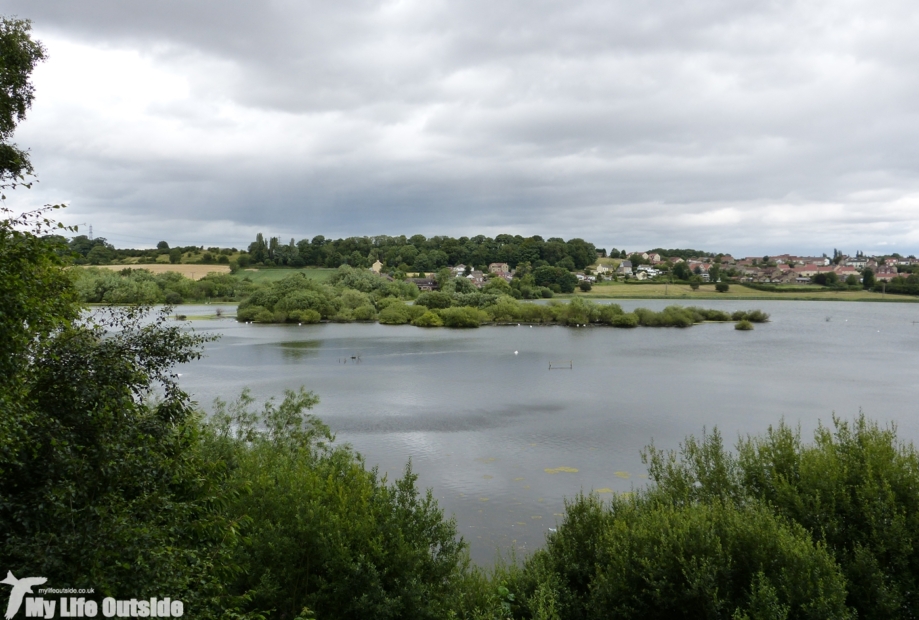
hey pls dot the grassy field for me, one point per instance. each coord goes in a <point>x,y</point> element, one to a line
<point>682,293</point>
<point>195,272</point>
<point>261,276</point>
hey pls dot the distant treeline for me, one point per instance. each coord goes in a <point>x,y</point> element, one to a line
<point>81,250</point>
<point>419,253</point>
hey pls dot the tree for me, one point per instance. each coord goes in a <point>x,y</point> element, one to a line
<point>162,245</point>
<point>584,285</point>
<point>175,255</point>
<point>19,55</point>
<point>694,282</point>
<point>681,271</point>
<point>722,287</point>
<point>868,278</point>
<point>854,488</point>
<point>557,276</point>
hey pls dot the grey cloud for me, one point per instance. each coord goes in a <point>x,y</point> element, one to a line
<point>625,123</point>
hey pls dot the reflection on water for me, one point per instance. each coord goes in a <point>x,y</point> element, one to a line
<point>502,440</point>
<point>296,349</point>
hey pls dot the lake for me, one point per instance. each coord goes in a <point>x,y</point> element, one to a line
<point>502,439</point>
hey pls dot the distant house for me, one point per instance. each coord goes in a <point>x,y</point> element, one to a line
<point>602,268</point>
<point>459,270</point>
<point>625,267</point>
<point>844,272</point>
<point>885,275</point>
<point>654,258</point>
<point>807,271</point>
<point>859,262</point>
<point>477,278</point>
<point>499,268</point>
<point>424,284</point>
<point>376,267</point>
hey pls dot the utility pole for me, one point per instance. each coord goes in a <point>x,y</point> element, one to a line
<point>90,229</point>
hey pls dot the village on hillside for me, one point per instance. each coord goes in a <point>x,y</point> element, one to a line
<point>778,269</point>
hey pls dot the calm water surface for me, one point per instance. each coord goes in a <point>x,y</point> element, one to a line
<point>483,424</point>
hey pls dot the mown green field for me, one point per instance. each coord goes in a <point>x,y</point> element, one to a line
<point>682,292</point>
<point>262,276</point>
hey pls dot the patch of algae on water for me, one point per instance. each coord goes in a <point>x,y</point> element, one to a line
<point>556,470</point>
<point>622,474</point>
<point>518,479</point>
<point>489,459</point>
<point>536,517</point>
<point>604,490</point>
<point>483,499</point>
<point>488,477</point>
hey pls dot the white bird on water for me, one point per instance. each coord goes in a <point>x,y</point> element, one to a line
<point>20,587</point>
<point>515,353</point>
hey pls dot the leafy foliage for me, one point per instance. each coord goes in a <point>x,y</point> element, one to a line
<point>855,489</point>
<point>19,54</point>
<point>645,557</point>
<point>324,532</point>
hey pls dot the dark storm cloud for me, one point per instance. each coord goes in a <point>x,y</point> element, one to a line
<point>740,126</point>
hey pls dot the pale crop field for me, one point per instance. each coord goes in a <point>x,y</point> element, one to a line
<point>195,272</point>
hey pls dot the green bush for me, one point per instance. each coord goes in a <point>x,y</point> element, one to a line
<point>434,300</point>
<point>247,314</point>
<point>744,325</point>
<point>395,314</point>
<point>365,313</point>
<point>648,558</point>
<point>304,316</point>
<point>855,488</point>
<point>322,530</point>
<point>428,319</point>
<point>754,316</point>
<point>462,317</point>
<point>722,287</point>
<point>629,319</point>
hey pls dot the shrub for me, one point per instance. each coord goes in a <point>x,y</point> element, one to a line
<point>646,558</point>
<point>304,316</point>
<point>395,314</point>
<point>322,530</point>
<point>462,317</point>
<point>248,313</point>
<point>855,488</point>
<point>744,325</point>
<point>584,285</point>
<point>629,319</point>
<point>754,316</point>
<point>428,319</point>
<point>722,287</point>
<point>434,300</point>
<point>364,313</point>
<point>173,298</point>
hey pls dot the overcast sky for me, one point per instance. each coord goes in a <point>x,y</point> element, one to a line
<point>748,127</point>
